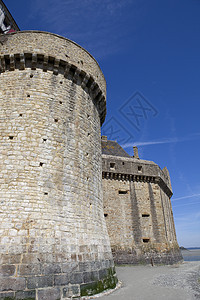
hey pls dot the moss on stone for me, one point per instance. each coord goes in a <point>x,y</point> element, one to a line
<point>96,287</point>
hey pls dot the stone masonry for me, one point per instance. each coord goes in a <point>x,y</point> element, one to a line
<point>53,237</point>
<point>137,208</point>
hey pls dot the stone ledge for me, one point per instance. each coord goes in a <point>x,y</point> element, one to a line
<point>138,178</point>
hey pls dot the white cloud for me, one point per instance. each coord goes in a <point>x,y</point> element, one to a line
<point>186,197</point>
<point>186,204</point>
<point>163,141</point>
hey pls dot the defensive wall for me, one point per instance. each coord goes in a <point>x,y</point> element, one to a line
<point>137,208</point>
<point>53,237</point>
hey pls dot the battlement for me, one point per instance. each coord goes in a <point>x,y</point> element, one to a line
<point>137,207</point>
<point>53,53</point>
<point>133,169</point>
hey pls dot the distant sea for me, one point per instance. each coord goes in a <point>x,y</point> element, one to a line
<point>191,254</point>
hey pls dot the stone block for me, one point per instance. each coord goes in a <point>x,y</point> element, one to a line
<point>69,267</point>
<point>29,269</point>
<point>8,295</point>
<point>62,279</point>
<point>39,282</point>
<point>76,278</point>
<point>71,291</point>
<point>13,284</point>
<point>48,269</point>
<point>26,295</point>
<point>7,270</point>
<point>103,273</point>
<point>49,294</point>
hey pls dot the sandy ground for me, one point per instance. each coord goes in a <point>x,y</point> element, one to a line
<point>177,282</point>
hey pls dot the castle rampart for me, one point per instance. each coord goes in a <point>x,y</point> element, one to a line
<point>137,208</point>
<point>54,241</point>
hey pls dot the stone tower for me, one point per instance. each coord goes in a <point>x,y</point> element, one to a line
<point>137,208</point>
<point>54,241</point>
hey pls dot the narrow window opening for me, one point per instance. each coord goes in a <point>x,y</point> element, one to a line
<point>88,134</point>
<point>61,82</point>
<point>56,120</point>
<point>60,102</point>
<point>44,140</point>
<point>146,240</point>
<point>105,215</point>
<point>112,165</point>
<point>139,168</point>
<point>45,193</point>
<point>123,163</point>
<point>31,76</point>
<point>123,192</point>
<point>145,215</point>
<point>11,137</point>
<point>41,164</point>
<point>20,115</point>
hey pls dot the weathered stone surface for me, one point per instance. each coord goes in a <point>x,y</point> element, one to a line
<point>137,209</point>
<point>8,295</point>
<point>29,269</point>
<point>71,291</point>
<point>12,284</point>
<point>26,295</point>
<point>39,282</point>
<point>52,105</point>
<point>7,270</point>
<point>63,279</point>
<point>50,294</point>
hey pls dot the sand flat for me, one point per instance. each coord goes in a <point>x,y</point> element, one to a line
<point>177,282</point>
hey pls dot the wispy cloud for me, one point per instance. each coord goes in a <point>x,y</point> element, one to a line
<point>99,26</point>
<point>186,197</point>
<point>186,204</point>
<point>164,141</point>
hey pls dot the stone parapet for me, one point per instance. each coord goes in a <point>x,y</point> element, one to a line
<point>131,169</point>
<point>50,52</point>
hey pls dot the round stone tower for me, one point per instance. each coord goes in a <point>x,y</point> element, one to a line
<point>54,241</point>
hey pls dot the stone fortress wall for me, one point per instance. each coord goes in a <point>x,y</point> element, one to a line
<point>53,237</point>
<point>54,241</point>
<point>137,209</point>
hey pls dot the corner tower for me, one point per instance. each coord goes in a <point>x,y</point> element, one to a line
<point>54,241</point>
<point>137,208</point>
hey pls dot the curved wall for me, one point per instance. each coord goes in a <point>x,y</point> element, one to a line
<point>54,241</point>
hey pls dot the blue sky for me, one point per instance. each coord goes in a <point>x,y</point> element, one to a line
<point>149,52</point>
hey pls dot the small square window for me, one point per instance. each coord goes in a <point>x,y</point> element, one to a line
<point>123,192</point>
<point>145,215</point>
<point>146,240</point>
<point>112,165</point>
<point>139,168</point>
